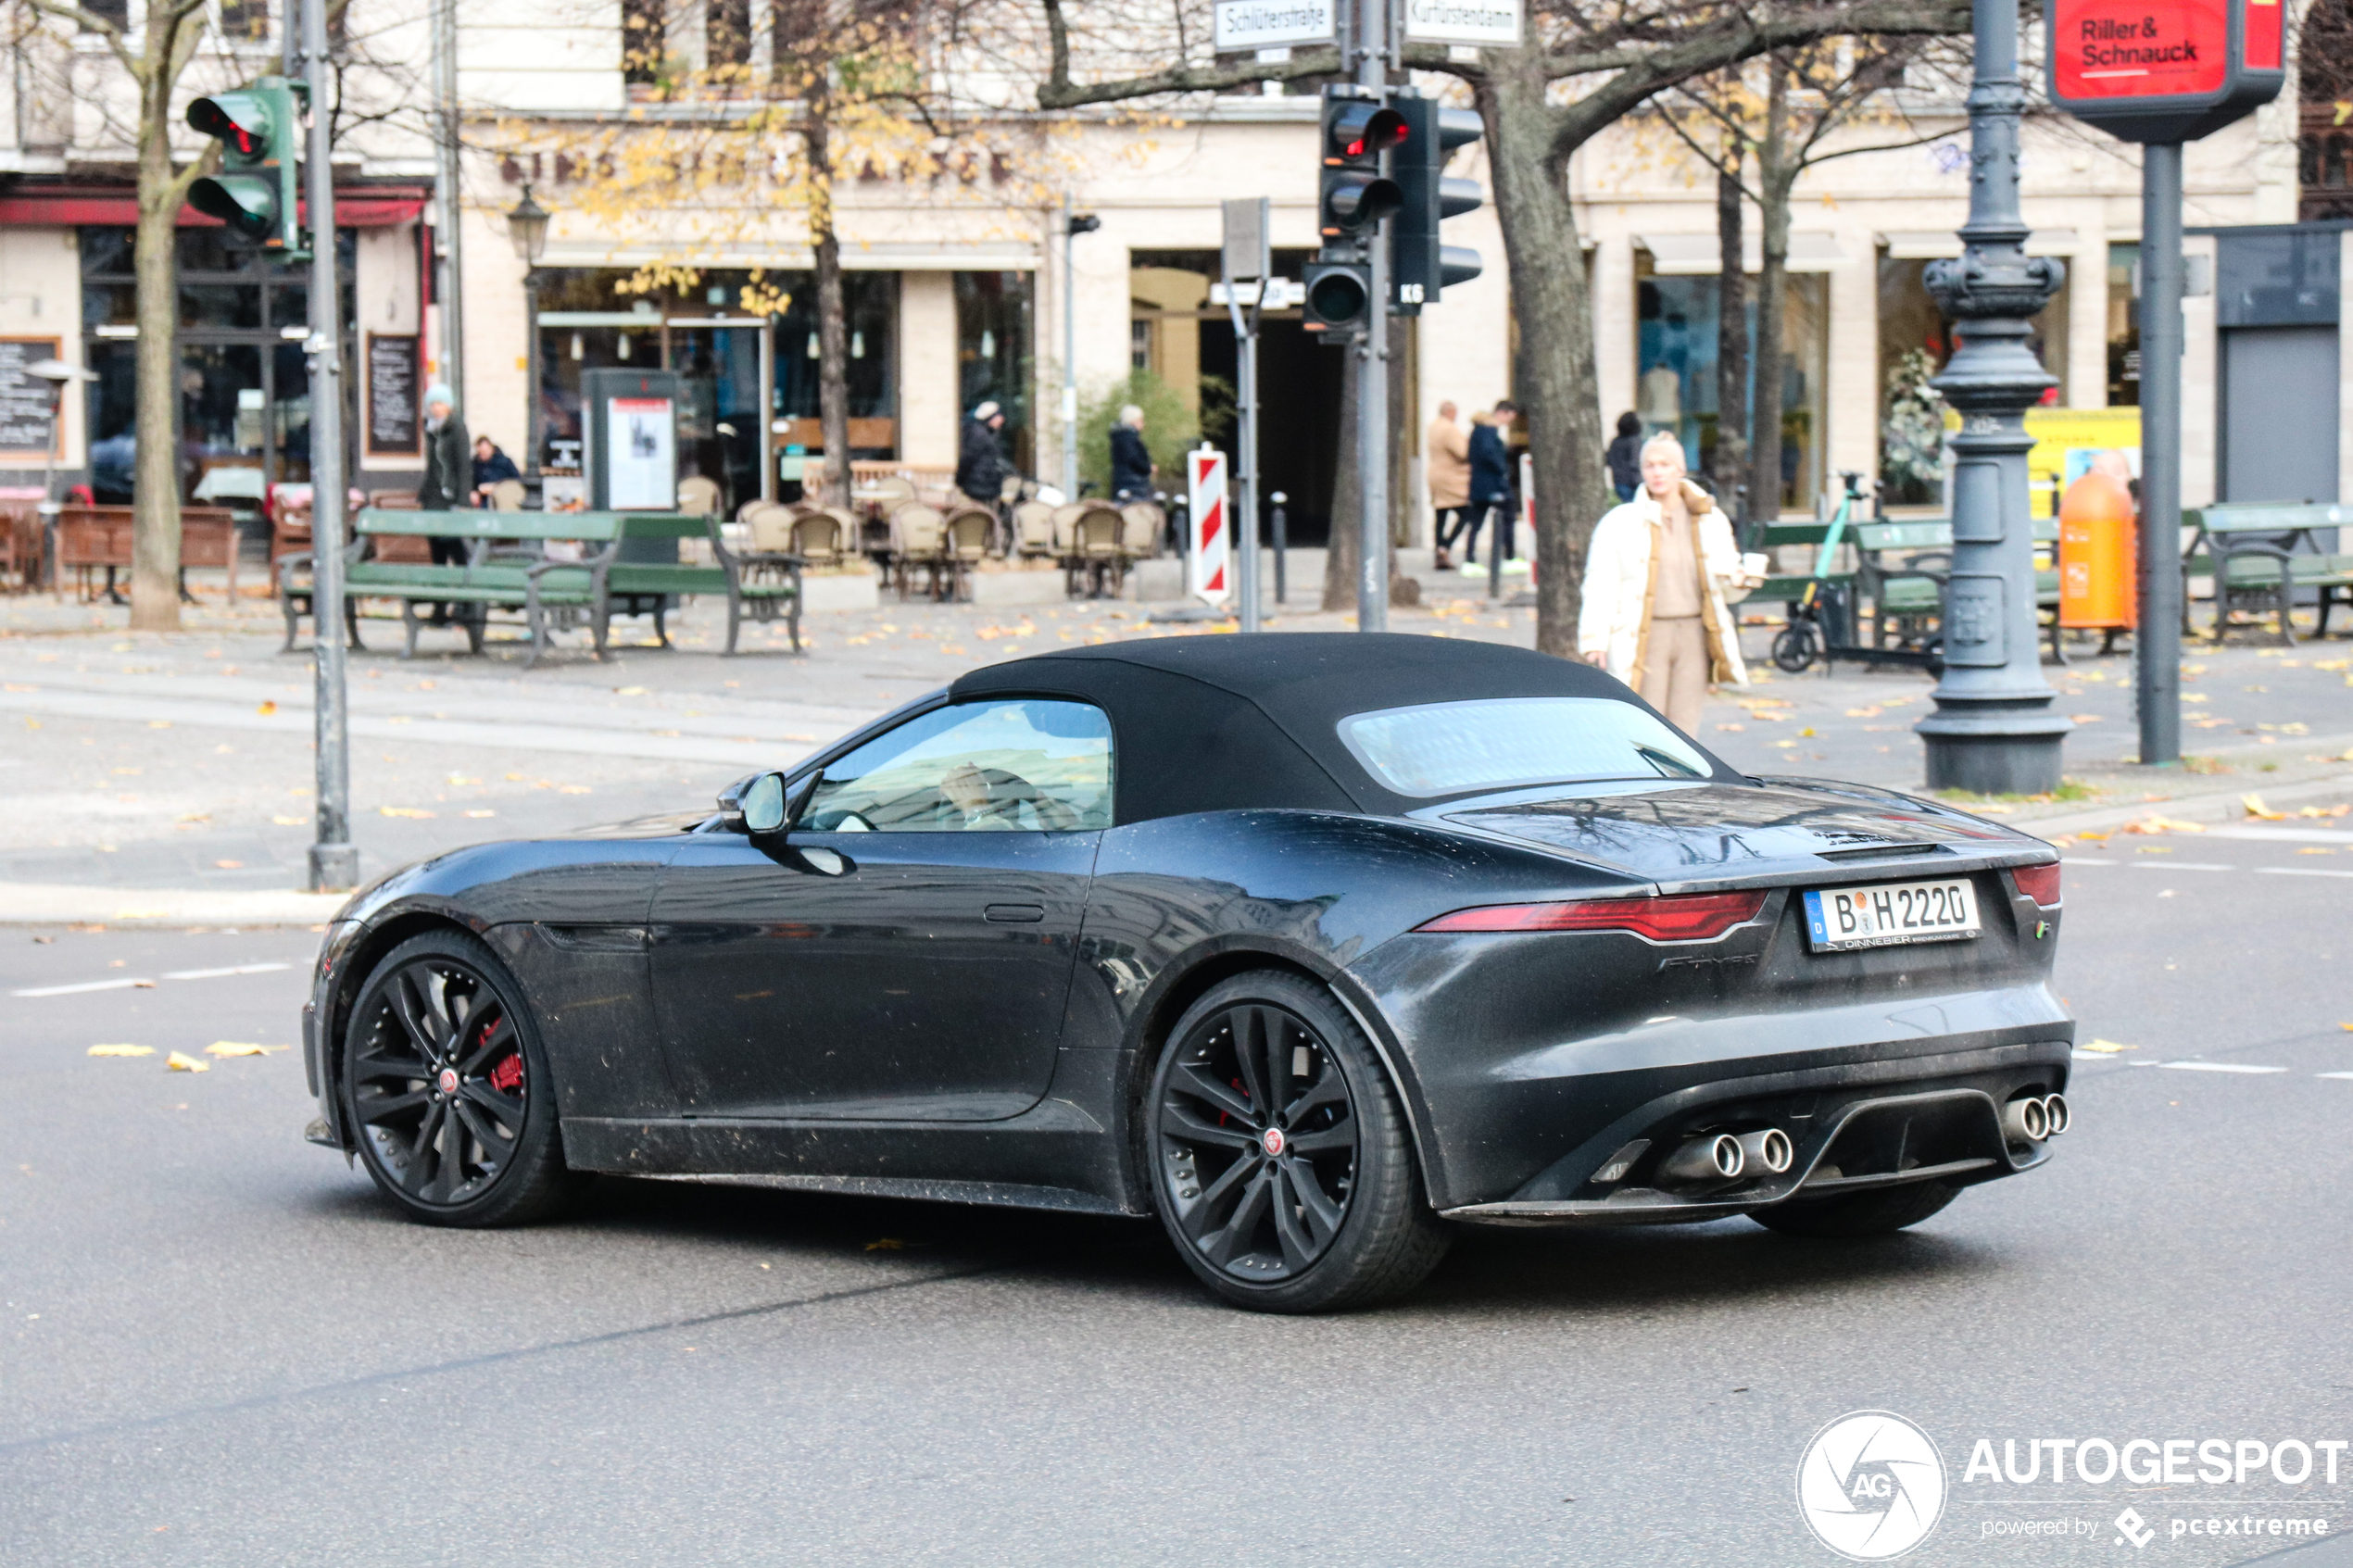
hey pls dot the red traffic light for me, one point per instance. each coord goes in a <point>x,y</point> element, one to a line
<point>1363,131</point>
<point>242,119</point>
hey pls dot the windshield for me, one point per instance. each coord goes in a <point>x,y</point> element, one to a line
<point>1507,743</point>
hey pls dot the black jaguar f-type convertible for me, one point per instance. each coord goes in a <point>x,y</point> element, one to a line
<point>1312,945</point>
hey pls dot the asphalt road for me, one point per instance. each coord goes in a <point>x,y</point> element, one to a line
<point>217,1346</point>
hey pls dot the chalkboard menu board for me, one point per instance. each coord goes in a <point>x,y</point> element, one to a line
<point>24,399</point>
<point>393,414</point>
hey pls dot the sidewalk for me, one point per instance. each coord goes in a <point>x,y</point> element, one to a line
<point>178,767</point>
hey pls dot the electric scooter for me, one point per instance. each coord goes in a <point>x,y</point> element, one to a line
<point>1821,619</point>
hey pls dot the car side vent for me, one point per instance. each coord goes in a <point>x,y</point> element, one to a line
<point>1884,852</point>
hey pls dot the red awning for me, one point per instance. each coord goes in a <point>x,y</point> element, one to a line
<point>365,207</point>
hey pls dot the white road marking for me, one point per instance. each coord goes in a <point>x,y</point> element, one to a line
<point>2300,871</point>
<point>127,983</point>
<point>2210,1066</point>
<point>2344,1075</point>
<point>2284,835</point>
<point>2181,866</point>
<point>85,985</point>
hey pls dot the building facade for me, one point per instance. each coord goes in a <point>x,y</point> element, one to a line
<point>955,292</point>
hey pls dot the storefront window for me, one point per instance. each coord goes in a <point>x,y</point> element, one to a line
<point>993,355</point>
<point>699,328</point>
<point>1674,370</point>
<point>1914,342</point>
<point>242,404</point>
<point>2124,326</point>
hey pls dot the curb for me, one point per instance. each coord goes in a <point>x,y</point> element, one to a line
<point>32,903</point>
<point>2221,805</point>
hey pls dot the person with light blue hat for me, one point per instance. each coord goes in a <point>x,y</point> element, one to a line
<point>449,481</point>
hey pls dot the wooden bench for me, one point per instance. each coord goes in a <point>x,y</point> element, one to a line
<point>92,537</point>
<point>2249,549</point>
<point>509,568</point>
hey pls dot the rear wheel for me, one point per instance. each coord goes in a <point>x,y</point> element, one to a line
<point>1282,1166</point>
<point>1858,1213</point>
<point>445,1089</point>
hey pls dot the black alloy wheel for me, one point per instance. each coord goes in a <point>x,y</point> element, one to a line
<point>445,1087</point>
<point>1282,1165</point>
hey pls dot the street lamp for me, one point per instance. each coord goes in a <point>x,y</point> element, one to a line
<point>59,375</point>
<point>1073,225</point>
<point>527,227</point>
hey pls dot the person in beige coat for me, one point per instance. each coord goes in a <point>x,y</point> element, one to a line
<point>1446,459</point>
<point>1660,578</point>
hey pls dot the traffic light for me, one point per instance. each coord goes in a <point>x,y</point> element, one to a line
<point>1419,264</point>
<point>1338,300</point>
<point>254,194</point>
<point>1358,129</point>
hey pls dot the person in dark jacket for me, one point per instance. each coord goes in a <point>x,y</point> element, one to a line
<point>492,466</point>
<point>1626,457</point>
<point>1490,473</point>
<point>980,462</point>
<point>1131,461</point>
<point>448,482</point>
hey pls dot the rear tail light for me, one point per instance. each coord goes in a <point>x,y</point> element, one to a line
<point>2038,882</point>
<point>1681,917</point>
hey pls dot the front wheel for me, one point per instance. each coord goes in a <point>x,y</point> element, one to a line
<point>1794,647</point>
<point>1282,1166</point>
<point>1858,1213</point>
<point>445,1089</point>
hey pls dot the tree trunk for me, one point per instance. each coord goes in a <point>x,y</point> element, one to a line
<point>1729,470</point>
<point>1553,298</point>
<point>155,525</point>
<point>832,327</point>
<point>1342,548</point>
<point>1776,170</point>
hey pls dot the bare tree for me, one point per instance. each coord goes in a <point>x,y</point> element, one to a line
<point>1582,69</point>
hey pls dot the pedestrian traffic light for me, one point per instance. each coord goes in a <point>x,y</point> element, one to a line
<point>1339,302</point>
<point>260,132</point>
<point>1419,265</point>
<point>1358,129</point>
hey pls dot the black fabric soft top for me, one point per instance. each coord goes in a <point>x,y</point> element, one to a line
<point>1221,724</point>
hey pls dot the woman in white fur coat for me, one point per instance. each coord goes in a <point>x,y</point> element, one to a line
<point>1657,577</point>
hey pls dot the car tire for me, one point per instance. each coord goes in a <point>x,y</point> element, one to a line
<point>453,1116</point>
<point>1858,1213</point>
<point>1319,1208</point>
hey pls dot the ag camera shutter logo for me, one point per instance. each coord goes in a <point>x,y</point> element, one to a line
<point>1870,1486</point>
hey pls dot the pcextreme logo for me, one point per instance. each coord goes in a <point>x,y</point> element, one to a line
<point>1870,1486</point>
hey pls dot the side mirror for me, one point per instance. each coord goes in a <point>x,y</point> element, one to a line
<point>755,805</point>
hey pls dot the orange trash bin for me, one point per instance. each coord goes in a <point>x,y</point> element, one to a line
<point>2096,554</point>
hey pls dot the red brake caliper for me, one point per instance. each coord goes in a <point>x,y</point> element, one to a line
<point>506,1077</point>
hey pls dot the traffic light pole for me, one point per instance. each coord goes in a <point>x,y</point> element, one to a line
<point>334,859</point>
<point>2157,645</point>
<point>1371,362</point>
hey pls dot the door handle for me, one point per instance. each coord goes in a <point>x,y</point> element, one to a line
<point>1015,914</point>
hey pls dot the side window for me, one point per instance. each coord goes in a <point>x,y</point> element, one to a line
<point>1026,765</point>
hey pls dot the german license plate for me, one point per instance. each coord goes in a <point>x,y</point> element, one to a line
<point>1889,913</point>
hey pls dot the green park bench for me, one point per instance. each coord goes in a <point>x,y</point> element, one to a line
<point>1901,565</point>
<point>508,568</point>
<point>2250,550</point>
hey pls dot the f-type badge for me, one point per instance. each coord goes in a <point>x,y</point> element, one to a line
<point>1707,960</point>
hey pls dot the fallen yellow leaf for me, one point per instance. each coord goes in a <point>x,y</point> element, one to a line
<point>629,691</point>
<point>2108,1048</point>
<point>177,1064</point>
<point>403,811</point>
<point>267,709</point>
<point>242,1048</point>
<point>122,1050</point>
<point>2255,807</point>
<point>291,821</point>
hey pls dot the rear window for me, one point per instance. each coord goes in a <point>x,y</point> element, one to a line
<point>1505,743</point>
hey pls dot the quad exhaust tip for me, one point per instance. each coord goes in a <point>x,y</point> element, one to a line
<point>1770,1151</point>
<point>2034,1119</point>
